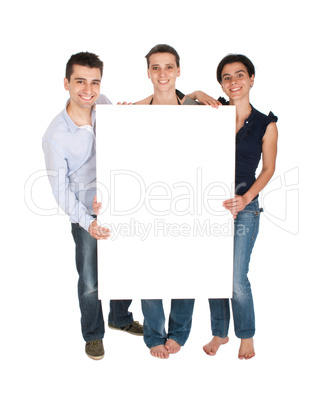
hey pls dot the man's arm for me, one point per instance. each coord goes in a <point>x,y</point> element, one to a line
<point>57,169</point>
<point>57,173</point>
<point>58,177</point>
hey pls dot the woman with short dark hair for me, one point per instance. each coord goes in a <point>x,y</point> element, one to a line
<point>256,135</point>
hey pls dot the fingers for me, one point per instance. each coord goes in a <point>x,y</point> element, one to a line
<point>125,103</point>
<point>205,99</point>
<point>211,102</point>
<point>234,205</point>
<point>215,103</point>
<point>97,207</point>
<point>101,233</point>
<point>98,232</point>
<point>228,204</point>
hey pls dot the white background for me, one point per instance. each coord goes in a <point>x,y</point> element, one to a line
<point>42,348</point>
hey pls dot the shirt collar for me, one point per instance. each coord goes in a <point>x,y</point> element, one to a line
<point>71,125</point>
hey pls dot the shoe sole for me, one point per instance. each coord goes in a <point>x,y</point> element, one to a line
<point>95,357</point>
<point>126,332</point>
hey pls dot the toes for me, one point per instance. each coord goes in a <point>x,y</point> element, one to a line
<point>208,350</point>
<point>172,346</point>
<point>160,354</point>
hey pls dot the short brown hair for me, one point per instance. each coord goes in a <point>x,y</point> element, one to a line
<point>162,49</point>
<point>86,59</point>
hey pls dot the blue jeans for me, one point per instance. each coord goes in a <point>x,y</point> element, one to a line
<point>92,322</point>
<point>246,227</point>
<point>179,324</point>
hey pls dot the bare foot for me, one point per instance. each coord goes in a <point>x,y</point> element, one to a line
<point>246,350</point>
<point>172,346</point>
<point>159,351</point>
<point>212,347</point>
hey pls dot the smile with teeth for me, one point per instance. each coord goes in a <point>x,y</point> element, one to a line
<point>163,82</point>
<point>86,97</point>
<point>235,89</point>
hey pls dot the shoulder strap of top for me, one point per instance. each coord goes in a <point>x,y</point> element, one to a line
<point>151,102</point>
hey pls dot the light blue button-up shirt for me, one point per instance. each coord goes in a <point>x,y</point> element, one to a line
<point>70,156</point>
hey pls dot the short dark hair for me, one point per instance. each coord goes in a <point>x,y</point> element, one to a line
<point>86,59</point>
<point>235,58</point>
<point>162,49</point>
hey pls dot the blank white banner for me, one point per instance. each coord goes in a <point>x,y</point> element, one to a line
<point>163,173</point>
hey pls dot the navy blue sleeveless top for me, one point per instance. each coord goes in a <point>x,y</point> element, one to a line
<point>249,148</point>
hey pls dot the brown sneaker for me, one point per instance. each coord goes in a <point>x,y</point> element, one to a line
<point>134,328</point>
<point>95,349</point>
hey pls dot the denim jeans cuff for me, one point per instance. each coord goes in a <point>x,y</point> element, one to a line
<point>93,337</point>
<point>157,343</point>
<point>219,334</point>
<point>245,335</point>
<point>181,343</point>
<point>122,324</point>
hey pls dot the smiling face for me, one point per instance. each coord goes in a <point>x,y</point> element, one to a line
<point>163,71</point>
<point>236,82</point>
<point>83,86</point>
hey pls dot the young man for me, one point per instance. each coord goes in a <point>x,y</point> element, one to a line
<point>69,148</point>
